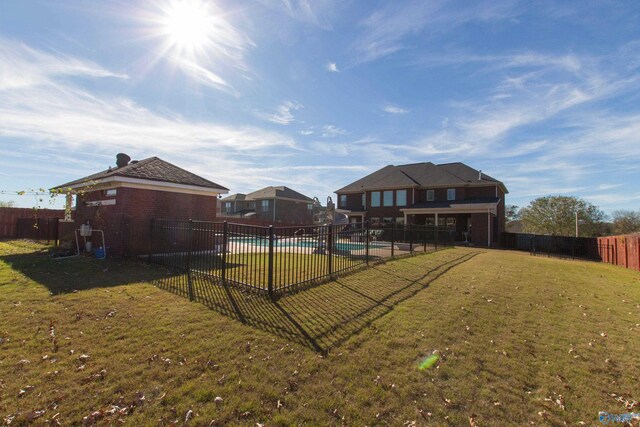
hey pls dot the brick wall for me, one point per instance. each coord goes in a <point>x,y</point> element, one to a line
<point>126,224</point>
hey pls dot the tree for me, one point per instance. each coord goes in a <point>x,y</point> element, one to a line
<point>512,213</point>
<point>556,215</point>
<point>626,221</point>
<point>6,203</point>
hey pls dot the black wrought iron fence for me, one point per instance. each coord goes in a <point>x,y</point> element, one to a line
<point>277,259</point>
<point>562,246</point>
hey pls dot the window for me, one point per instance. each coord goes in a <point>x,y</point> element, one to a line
<point>430,195</point>
<point>451,222</point>
<point>310,206</point>
<point>451,194</point>
<point>375,200</point>
<point>430,221</point>
<point>343,201</point>
<point>265,205</point>
<point>227,206</point>
<point>375,222</point>
<point>400,220</point>
<point>388,198</point>
<point>401,198</point>
<point>441,221</point>
<point>111,193</point>
<point>387,221</point>
<point>364,200</point>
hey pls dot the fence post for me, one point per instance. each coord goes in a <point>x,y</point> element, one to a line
<point>424,237</point>
<point>410,238</point>
<point>189,246</point>
<point>366,239</point>
<point>393,238</point>
<point>152,224</point>
<point>270,266</point>
<point>330,249</point>
<point>435,234</point>
<point>225,238</point>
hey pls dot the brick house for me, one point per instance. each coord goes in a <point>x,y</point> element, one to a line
<point>278,205</point>
<point>123,200</point>
<point>451,194</point>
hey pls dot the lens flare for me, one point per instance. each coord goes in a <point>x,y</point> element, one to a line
<point>428,362</point>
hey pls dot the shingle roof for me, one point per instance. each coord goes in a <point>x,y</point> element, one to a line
<point>447,204</point>
<point>234,197</point>
<point>280,192</point>
<point>152,169</point>
<point>421,175</point>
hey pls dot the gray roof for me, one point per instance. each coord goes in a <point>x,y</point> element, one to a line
<point>281,192</point>
<point>447,204</point>
<point>152,169</point>
<point>424,174</point>
<point>234,197</point>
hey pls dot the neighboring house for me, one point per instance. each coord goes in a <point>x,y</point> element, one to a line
<point>279,205</point>
<point>450,195</point>
<point>123,200</point>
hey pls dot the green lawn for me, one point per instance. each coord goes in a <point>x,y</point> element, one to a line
<point>523,340</point>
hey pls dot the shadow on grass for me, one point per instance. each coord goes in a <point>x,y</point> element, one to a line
<point>322,317</point>
<point>61,276</point>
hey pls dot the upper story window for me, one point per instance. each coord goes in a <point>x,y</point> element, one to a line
<point>342,202</point>
<point>451,193</point>
<point>310,206</point>
<point>375,199</point>
<point>388,198</point>
<point>401,198</point>
<point>364,200</point>
<point>430,195</point>
<point>227,206</point>
<point>265,205</point>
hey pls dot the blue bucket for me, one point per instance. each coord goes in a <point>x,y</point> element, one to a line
<point>99,253</point>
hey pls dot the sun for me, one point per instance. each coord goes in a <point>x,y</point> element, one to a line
<point>188,25</point>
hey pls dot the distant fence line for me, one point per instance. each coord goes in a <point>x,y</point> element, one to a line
<point>278,259</point>
<point>13,223</point>
<point>625,250</point>
<point>618,250</point>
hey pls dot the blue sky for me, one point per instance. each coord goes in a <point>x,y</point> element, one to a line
<point>315,94</point>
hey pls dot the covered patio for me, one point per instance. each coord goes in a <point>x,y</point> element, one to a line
<point>473,222</point>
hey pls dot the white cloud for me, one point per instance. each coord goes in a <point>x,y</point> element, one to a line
<point>387,30</point>
<point>332,67</point>
<point>393,109</point>
<point>284,114</point>
<point>306,132</point>
<point>21,66</point>
<point>317,12</point>
<point>329,131</point>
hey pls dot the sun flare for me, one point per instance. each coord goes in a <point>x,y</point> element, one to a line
<point>188,25</point>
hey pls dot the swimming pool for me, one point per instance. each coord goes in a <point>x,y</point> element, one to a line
<point>303,243</point>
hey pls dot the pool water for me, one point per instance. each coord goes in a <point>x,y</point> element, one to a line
<point>341,246</point>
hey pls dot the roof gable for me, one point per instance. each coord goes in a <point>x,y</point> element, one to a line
<point>151,169</point>
<point>423,174</point>
<point>281,192</point>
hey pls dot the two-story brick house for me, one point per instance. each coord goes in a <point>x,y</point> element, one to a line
<point>450,195</point>
<point>278,205</point>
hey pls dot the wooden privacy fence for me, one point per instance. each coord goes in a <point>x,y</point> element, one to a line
<point>9,219</point>
<point>625,250</point>
<point>278,259</point>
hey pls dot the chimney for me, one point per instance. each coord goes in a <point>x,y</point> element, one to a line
<point>122,160</point>
<point>479,174</point>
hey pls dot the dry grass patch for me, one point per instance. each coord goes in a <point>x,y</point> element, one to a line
<point>522,340</point>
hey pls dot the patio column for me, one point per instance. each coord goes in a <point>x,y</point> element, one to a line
<point>405,218</point>
<point>67,209</point>
<point>488,227</point>
<point>436,223</point>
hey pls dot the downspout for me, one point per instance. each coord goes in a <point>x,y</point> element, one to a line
<point>274,209</point>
